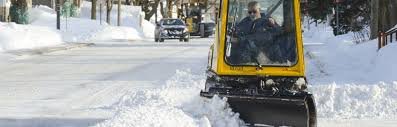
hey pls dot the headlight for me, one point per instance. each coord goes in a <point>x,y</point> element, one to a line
<point>186,29</point>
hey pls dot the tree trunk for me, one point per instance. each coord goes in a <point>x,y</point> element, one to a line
<point>392,13</point>
<point>77,3</point>
<point>375,19</point>
<point>162,11</point>
<point>109,5</point>
<point>119,13</point>
<point>150,13</point>
<point>383,14</point>
<point>169,8</point>
<point>128,2</point>
<point>93,9</point>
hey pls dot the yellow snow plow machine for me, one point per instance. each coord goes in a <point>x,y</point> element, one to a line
<point>257,63</point>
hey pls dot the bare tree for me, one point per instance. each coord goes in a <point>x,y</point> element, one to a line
<point>77,3</point>
<point>128,2</point>
<point>149,7</point>
<point>162,10</point>
<point>119,13</point>
<point>93,9</point>
<point>109,5</point>
<point>383,16</point>
<point>169,8</point>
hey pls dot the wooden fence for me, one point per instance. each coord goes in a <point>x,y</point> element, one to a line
<point>386,37</point>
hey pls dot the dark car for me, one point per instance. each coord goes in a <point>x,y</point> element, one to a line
<point>171,29</point>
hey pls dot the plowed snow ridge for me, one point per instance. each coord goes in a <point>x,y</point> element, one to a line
<point>176,104</point>
<point>179,104</point>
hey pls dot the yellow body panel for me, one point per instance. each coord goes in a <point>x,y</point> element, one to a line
<point>189,24</point>
<point>217,54</point>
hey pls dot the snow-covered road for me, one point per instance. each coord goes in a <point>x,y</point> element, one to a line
<point>75,87</point>
<point>143,83</point>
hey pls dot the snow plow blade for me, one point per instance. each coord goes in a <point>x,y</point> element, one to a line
<point>272,111</point>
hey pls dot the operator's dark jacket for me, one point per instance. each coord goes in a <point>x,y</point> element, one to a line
<point>259,36</point>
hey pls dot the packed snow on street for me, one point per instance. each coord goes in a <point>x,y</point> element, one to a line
<point>127,80</point>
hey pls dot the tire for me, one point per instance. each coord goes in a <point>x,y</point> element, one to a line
<point>202,30</point>
<point>161,40</point>
<point>181,39</point>
<point>186,39</point>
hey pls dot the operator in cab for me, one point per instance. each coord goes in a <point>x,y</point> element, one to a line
<point>258,39</point>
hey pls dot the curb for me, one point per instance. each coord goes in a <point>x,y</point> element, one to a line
<point>44,50</point>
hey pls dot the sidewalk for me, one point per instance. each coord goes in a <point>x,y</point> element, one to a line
<point>44,50</point>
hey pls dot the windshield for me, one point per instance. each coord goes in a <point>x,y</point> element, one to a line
<point>261,32</point>
<point>172,22</point>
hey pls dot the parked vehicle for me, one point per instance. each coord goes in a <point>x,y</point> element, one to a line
<point>170,28</point>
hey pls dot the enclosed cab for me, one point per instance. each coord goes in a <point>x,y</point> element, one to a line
<point>257,63</point>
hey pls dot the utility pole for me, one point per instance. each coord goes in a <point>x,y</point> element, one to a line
<point>58,10</point>
<point>119,13</point>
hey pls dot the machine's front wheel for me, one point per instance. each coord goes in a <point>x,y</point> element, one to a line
<point>186,40</point>
<point>202,30</point>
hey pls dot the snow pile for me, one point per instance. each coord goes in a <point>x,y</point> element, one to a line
<point>83,29</point>
<point>348,80</point>
<point>176,104</point>
<point>346,101</point>
<point>386,62</point>
<point>42,30</point>
<point>340,59</point>
<point>130,17</point>
<point>14,36</point>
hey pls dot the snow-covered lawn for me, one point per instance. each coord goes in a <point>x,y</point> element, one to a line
<point>351,81</point>
<point>42,31</point>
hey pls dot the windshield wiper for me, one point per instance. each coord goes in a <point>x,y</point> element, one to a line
<point>258,65</point>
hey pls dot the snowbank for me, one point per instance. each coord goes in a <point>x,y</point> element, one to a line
<point>41,32</point>
<point>351,81</point>
<point>178,104</point>
<point>341,60</point>
<point>84,29</point>
<point>356,101</point>
<point>386,62</point>
<point>130,17</point>
<point>14,36</point>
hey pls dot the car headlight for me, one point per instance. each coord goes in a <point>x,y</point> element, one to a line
<point>185,30</point>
